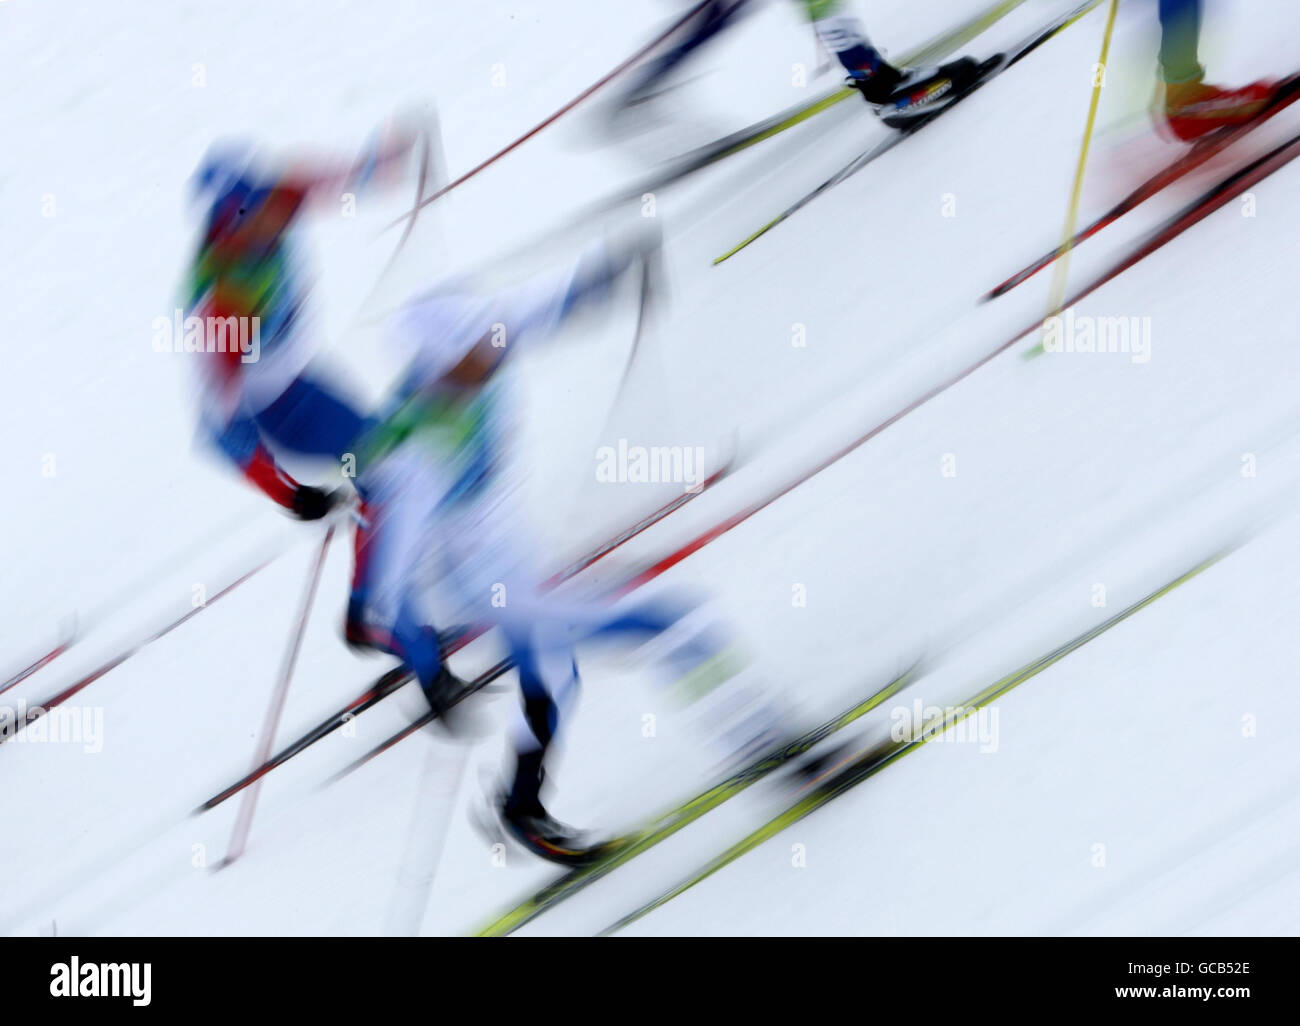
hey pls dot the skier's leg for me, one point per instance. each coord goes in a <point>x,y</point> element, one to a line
<point>1192,107</point>
<point>733,708</point>
<point>842,34</point>
<point>695,653</point>
<point>903,93</point>
<point>398,540</point>
<point>1180,35</point>
<point>548,682</point>
<point>355,630</point>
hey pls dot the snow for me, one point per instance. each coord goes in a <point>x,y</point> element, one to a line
<point>1145,784</point>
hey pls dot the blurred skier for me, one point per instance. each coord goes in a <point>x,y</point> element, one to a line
<point>246,266</point>
<point>905,93</point>
<point>1193,108</point>
<point>443,507</point>
<point>902,93</point>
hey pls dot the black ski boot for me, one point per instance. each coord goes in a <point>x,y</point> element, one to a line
<point>821,764</point>
<point>877,87</point>
<point>923,93</point>
<point>531,825</point>
<point>443,694</point>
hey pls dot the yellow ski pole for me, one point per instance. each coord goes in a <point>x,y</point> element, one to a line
<point>1062,269</point>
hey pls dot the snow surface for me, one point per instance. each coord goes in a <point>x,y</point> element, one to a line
<point>1145,784</point>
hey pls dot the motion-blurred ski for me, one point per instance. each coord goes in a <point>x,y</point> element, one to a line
<point>1193,214</point>
<point>36,711</point>
<point>1288,92</point>
<point>65,642</point>
<point>471,687</point>
<point>989,70</point>
<point>627,846</point>
<point>835,779</point>
<point>737,142</point>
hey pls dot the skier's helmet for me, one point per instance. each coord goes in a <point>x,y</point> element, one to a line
<point>229,186</point>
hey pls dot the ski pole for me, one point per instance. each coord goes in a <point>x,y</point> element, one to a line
<point>244,820</point>
<point>1062,271</point>
<point>550,120</point>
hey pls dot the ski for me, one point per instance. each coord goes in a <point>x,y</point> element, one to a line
<point>684,166</point>
<point>627,846</point>
<point>1195,157</point>
<point>834,780</point>
<point>78,624</point>
<point>623,537</point>
<point>384,686</point>
<point>36,711</point>
<point>475,685</point>
<point>65,642</point>
<point>1194,213</point>
<point>399,675</point>
<point>989,70</point>
<point>760,131</point>
<point>452,641</point>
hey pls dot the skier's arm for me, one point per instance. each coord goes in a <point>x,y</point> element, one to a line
<point>457,337</point>
<point>240,442</point>
<point>536,309</point>
<point>378,163</point>
<point>231,433</point>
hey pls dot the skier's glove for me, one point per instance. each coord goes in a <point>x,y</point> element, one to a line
<point>311,503</point>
